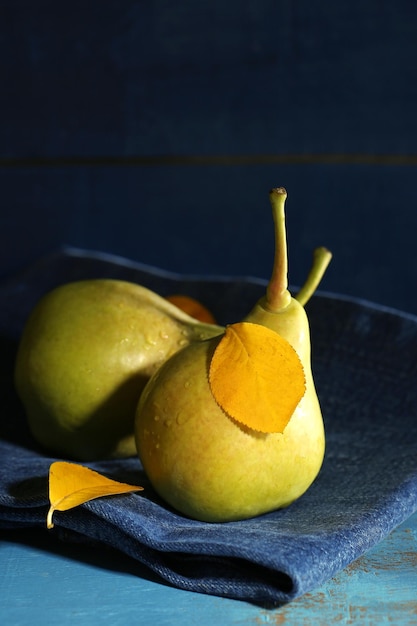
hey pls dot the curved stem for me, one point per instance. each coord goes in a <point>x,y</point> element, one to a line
<point>277,294</point>
<point>49,522</point>
<point>321,259</point>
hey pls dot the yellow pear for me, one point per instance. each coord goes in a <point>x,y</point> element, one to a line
<point>199,458</point>
<point>85,354</point>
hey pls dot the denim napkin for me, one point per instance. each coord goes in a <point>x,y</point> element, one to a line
<point>365,367</point>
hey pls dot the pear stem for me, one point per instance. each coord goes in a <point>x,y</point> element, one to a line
<point>321,259</point>
<point>277,295</point>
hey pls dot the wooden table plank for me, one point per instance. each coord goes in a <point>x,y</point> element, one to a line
<point>45,580</point>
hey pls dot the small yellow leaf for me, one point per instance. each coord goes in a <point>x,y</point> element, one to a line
<point>256,377</point>
<point>71,484</point>
<point>192,307</point>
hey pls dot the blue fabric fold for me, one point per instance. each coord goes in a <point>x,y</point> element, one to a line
<point>365,367</point>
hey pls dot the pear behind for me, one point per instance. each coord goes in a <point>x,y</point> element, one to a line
<point>86,352</point>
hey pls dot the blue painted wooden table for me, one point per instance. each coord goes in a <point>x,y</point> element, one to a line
<point>42,581</point>
<point>154,131</point>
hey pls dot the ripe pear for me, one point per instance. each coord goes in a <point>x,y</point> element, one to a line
<point>84,356</point>
<point>199,459</point>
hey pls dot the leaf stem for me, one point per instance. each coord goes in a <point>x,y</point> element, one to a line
<point>277,295</point>
<point>49,522</point>
<point>321,259</point>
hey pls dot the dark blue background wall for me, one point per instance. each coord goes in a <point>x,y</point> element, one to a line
<point>154,130</point>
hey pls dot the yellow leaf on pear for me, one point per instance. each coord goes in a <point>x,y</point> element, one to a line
<point>256,377</point>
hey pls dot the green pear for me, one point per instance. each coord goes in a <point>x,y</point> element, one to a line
<point>207,465</point>
<point>85,354</point>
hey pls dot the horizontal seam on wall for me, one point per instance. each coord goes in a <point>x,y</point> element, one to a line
<point>210,160</point>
